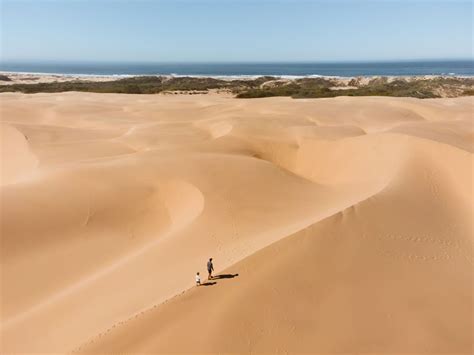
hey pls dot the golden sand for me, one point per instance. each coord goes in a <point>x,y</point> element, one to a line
<point>343,225</point>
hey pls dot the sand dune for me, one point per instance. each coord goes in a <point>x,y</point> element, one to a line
<point>17,159</point>
<point>347,220</point>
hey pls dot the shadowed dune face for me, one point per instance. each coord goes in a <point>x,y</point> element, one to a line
<point>343,225</point>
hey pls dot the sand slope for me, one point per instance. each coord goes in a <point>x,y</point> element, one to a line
<point>348,222</point>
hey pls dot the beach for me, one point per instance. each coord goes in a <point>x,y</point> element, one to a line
<point>337,224</point>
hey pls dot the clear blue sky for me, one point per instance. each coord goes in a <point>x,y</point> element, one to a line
<point>235,30</point>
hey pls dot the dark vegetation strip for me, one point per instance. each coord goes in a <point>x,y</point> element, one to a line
<point>263,87</point>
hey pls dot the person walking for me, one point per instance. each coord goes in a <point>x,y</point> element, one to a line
<point>210,268</point>
<point>198,279</point>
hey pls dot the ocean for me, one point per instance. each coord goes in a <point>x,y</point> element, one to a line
<point>406,68</point>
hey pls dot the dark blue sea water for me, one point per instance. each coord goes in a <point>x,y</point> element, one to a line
<point>450,67</point>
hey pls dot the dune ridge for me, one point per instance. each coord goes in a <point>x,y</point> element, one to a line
<point>317,205</point>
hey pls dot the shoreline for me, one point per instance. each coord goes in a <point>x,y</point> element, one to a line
<point>228,77</point>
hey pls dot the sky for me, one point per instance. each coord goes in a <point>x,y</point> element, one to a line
<point>235,30</point>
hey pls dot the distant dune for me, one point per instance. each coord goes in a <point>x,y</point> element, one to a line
<point>338,225</point>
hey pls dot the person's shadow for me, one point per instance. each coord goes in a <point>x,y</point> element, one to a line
<point>218,277</point>
<point>207,283</point>
<point>224,276</point>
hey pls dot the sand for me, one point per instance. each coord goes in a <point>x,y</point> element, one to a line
<point>41,78</point>
<point>337,225</point>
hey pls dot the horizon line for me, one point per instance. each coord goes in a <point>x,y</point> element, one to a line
<point>355,61</point>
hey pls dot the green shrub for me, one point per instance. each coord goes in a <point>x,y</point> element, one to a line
<point>300,88</point>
